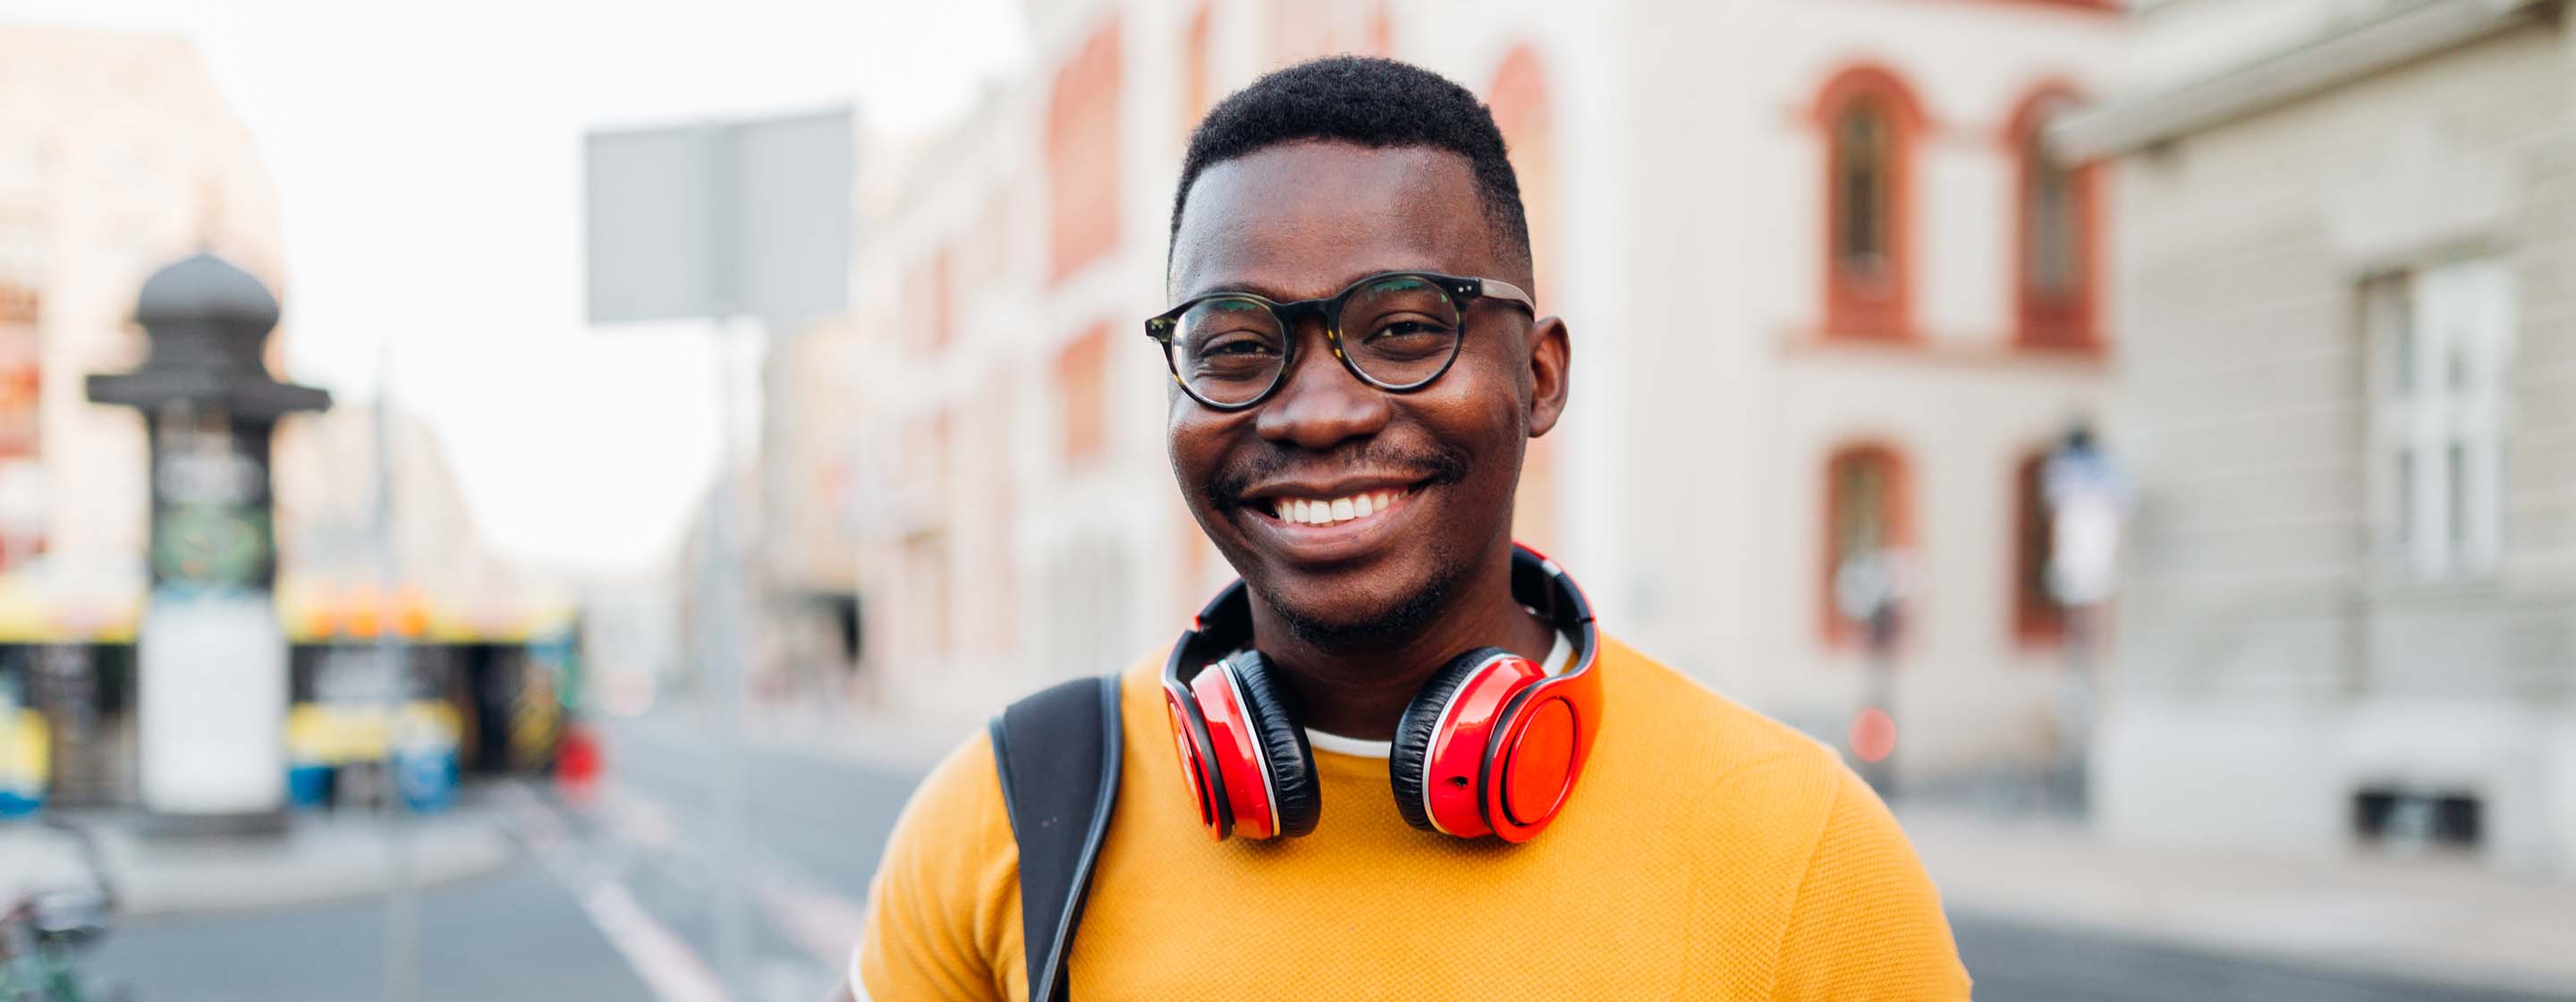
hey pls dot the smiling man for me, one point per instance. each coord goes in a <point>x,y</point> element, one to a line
<point>1425,773</point>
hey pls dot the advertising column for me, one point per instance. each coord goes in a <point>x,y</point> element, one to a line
<point>211,671</point>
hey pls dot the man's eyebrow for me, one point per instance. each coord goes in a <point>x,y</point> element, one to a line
<point>1236,289</point>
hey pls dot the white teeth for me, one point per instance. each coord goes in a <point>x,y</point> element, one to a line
<point>1304,512</point>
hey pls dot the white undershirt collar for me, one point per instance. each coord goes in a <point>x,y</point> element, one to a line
<point>1560,659</point>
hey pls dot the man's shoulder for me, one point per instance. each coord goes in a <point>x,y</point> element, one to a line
<point>1727,737</point>
<point>1722,758</point>
<point>1775,799</point>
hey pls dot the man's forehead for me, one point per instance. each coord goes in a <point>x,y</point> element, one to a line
<point>1301,219</point>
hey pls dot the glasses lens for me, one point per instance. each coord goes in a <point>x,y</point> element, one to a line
<point>1229,351</point>
<point>1401,330</point>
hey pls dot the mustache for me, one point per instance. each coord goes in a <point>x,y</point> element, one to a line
<point>1437,464</point>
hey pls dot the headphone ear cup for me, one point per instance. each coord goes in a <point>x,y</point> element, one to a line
<point>1283,742</point>
<point>1409,759</point>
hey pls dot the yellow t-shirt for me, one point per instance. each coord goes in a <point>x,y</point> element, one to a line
<point>1707,853</point>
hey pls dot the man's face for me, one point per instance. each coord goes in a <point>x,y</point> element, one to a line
<point>1438,465</point>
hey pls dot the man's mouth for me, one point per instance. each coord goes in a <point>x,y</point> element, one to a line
<point>1328,523</point>
<point>1334,511</point>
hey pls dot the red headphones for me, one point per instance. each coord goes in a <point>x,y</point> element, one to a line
<point>1491,744</point>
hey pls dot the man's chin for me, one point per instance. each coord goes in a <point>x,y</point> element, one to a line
<point>1381,621</point>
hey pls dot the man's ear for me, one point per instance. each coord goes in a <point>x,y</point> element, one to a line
<point>1550,356</point>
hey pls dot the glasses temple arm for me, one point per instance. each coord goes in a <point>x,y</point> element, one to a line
<point>1499,289</point>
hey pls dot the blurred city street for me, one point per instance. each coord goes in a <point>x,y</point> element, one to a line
<point>523,534</point>
<point>613,896</point>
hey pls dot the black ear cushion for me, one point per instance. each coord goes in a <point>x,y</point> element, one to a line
<point>1411,753</point>
<point>1292,763</point>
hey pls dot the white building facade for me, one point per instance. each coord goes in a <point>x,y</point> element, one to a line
<point>1827,299</point>
<point>117,156</point>
<point>2350,353</point>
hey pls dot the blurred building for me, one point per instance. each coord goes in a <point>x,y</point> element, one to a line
<point>807,580</point>
<point>118,156</point>
<point>1829,298</point>
<point>2348,257</point>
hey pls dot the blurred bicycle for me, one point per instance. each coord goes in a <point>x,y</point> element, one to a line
<point>41,931</point>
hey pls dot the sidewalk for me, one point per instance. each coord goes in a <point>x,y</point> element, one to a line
<point>2437,919</point>
<point>321,858</point>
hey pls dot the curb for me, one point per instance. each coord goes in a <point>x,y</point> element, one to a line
<point>324,860</point>
<point>2327,915</point>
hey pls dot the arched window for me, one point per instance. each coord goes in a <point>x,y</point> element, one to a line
<point>2036,616</point>
<point>1869,120</point>
<point>1868,514</point>
<point>1197,75</point>
<point>2055,227</point>
<point>1082,153</point>
<point>1861,182</point>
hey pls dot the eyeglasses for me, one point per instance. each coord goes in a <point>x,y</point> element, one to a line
<point>1397,331</point>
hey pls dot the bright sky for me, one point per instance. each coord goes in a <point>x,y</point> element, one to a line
<point>428,165</point>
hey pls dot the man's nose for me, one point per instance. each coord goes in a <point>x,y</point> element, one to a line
<point>1321,405</point>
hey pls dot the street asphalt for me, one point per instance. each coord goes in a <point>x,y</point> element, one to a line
<point>558,924</point>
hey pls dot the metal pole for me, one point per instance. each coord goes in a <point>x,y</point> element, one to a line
<point>724,620</point>
<point>2075,711</point>
<point>402,907</point>
<point>724,672</point>
<point>1882,692</point>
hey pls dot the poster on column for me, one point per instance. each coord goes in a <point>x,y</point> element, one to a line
<point>213,700</point>
<point>212,686</point>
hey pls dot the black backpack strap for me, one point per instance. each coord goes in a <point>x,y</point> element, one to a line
<point>1057,754</point>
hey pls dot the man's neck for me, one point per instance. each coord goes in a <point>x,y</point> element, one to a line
<point>1360,690</point>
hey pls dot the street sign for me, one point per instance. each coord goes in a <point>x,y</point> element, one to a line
<point>2086,498</point>
<point>720,219</point>
<point>1870,583</point>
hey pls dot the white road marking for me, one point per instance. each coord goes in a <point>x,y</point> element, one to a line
<point>674,972</point>
<point>824,925</point>
<point>668,967</point>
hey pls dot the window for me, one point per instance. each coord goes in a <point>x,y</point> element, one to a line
<point>1860,180</point>
<point>2036,614</point>
<point>2055,210</point>
<point>1196,84</point>
<point>26,260</point>
<point>1079,372</point>
<point>1869,122</point>
<point>1082,153</point>
<point>926,581</point>
<point>986,566</point>
<point>1865,517</point>
<point>2442,346</point>
<point>930,305</point>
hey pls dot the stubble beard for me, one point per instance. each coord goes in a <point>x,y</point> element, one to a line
<point>1393,624</point>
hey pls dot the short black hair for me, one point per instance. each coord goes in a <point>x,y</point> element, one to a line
<point>1373,102</point>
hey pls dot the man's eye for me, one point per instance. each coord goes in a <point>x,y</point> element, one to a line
<point>1403,329</point>
<point>1238,346</point>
